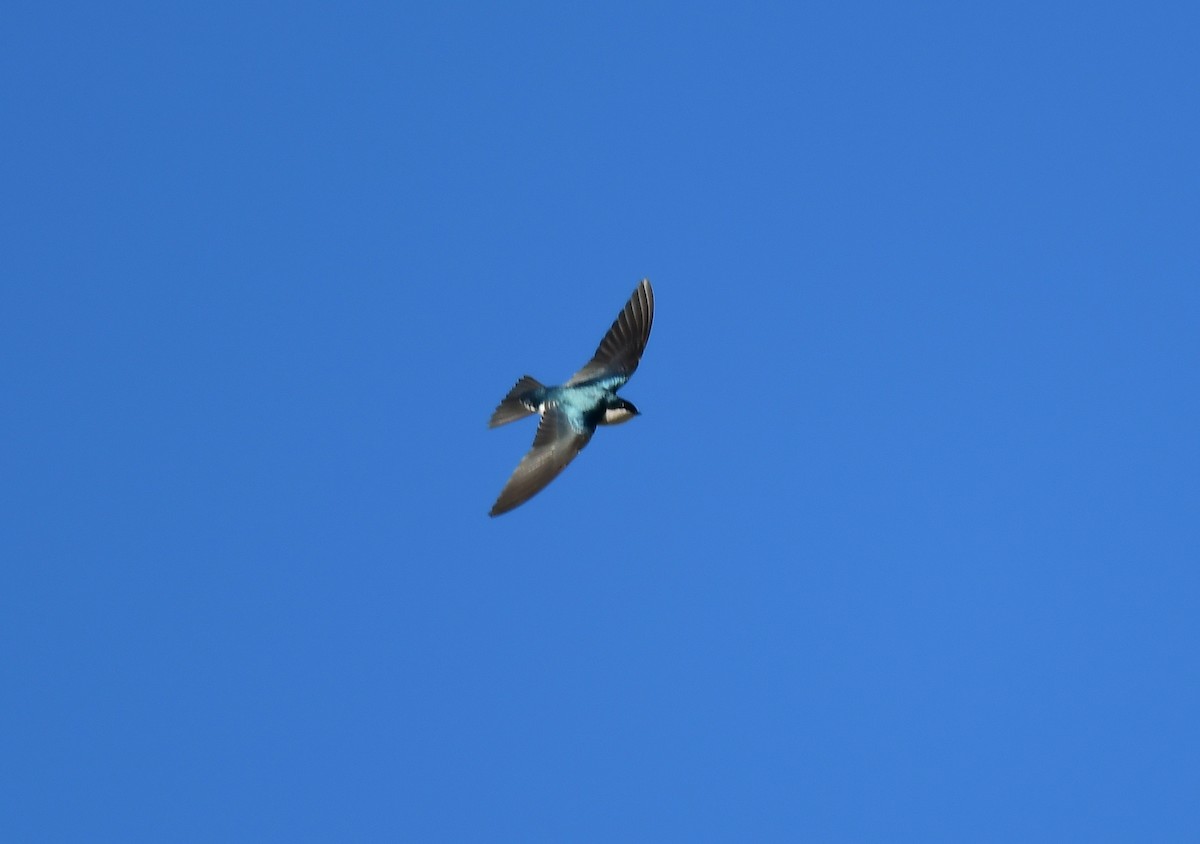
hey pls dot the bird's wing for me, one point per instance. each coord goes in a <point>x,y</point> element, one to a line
<point>622,347</point>
<point>557,442</point>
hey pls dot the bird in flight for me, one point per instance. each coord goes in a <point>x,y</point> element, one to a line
<point>571,411</point>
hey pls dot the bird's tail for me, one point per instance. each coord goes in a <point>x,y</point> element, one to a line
<point>514,406</point>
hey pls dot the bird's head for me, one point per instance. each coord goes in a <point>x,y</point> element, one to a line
<point>620,411</point>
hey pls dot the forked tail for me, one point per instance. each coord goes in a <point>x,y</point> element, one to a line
<point>516,404</point>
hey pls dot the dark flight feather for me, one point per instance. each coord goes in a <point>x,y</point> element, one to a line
<point>622,347</point>
<point>555,445</point>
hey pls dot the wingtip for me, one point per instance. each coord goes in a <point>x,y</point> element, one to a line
<point>647,294</point>
<point>497,510</point>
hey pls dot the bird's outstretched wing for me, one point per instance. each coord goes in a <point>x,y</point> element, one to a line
<point>622,347</point>
<point>554,446</point>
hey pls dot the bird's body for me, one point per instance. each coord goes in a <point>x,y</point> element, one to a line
<point>570,412</point>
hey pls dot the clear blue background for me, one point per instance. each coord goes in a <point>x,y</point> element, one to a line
<point>904,547</point>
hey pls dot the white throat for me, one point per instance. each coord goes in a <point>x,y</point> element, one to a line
<point>616,415</point>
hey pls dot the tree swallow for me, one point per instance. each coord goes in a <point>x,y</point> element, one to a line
<point>571,412</point>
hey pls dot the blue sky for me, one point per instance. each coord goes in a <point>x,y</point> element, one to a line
<point>903,547</point>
